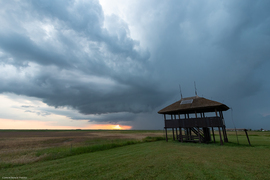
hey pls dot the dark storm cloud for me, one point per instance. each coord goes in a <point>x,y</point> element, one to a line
<point>223,46</point>
<point>66,57</point>
<point>70,54</point>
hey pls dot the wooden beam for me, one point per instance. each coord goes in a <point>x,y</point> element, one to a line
<point>221,142</point>
<point>176,134</point>
<point>213,135</point>
<point>224,133</point>
<point>166,135</point>
<point>199,135</point>
<point>247,136</point>
<point>181,136</point>
<point>173,134</point>
<point>189,130</point>
<point>165,127</point>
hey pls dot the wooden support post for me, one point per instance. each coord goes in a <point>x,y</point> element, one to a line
<point>186,133</point>
<point>213,135</point>
<point>189,133</point>
<point>224,127</point>
<point>221,142</point>
<point>199,135</point>
<point>173,134</point>
<point>181,136</point>
<point>177,138</point>
<point>247,136</point>
<point>223,132</point>
<point>165,127</point>
<point>189,137</point>
<point>226,135</point>
<point>166,134</point>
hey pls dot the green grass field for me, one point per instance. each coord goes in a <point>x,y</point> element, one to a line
<point>152,158</point>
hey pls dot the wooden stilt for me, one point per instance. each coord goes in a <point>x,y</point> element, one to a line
<point>224,126</point>
<point>213,135</point>
<point>177,137</point>
<point>226,134</point>
<point>186,133</point>
<point>173,134</point>
<point>199,135</point>
<point>181,136</point>
<point>221,142</point>
<point>189,133</point>
<point>166,135</point>
<point>165,127</point>
<point>247,136</point>
<point>223,132</point>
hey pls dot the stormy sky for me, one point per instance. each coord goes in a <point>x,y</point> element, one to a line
<point>119,62</point>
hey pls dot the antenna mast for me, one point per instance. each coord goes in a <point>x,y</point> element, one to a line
<point>180,91</point>
<point>195,88</point>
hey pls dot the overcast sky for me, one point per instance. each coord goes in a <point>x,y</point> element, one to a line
<point>84,64</point>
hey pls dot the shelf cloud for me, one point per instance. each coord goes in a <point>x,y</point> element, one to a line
<point>125,65</point>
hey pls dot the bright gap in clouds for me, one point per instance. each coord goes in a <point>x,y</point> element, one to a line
<point>21,112</point>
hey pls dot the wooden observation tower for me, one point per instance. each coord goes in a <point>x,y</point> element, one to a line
<point>195,115</point>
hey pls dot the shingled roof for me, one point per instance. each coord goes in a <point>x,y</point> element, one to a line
<point>193,104</point>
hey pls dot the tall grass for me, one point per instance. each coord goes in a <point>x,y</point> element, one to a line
<point>155,160</point>
<point>54,153</point>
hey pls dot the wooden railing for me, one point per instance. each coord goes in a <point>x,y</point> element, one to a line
<point>194,122</point>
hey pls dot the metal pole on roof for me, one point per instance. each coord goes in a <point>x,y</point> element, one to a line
<point>195,88</point>
<point>180,91</point>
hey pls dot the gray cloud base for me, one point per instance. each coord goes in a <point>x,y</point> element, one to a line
<point>67,54</point>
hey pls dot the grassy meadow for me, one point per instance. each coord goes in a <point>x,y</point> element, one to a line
<point>130,155</point>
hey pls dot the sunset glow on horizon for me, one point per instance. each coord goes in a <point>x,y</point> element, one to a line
<point>33,124</point>
<point>108,126</point>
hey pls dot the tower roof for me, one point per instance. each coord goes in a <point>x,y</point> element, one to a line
<point>193,104</point>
